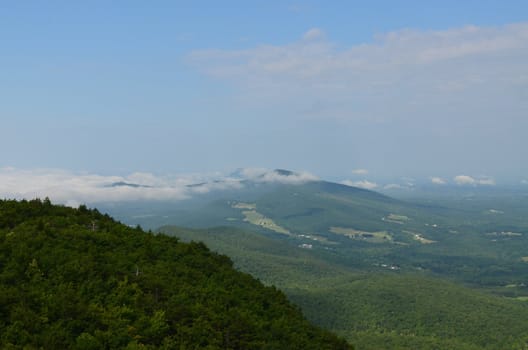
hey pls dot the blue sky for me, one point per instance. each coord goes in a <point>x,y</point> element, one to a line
<point>399,88</point>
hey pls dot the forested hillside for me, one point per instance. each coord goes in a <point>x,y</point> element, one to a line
<point>375,308</point>
<point>77,279</point>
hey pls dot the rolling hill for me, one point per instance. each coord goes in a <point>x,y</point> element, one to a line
<point>77,279</point>
<point>374,307</point>
<point>386,273</point>
<point>469,240</point>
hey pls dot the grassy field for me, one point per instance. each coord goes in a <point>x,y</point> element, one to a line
<point>241,205</point>
<point>418,237</point>
<point>249,210</point>
<point>372,237</point>
<point>396,219</point>
<point>255,218</point>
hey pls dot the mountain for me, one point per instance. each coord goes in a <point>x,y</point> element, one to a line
<point>286,201</point>
<point>127,184</point>
<point>460,239</point>
<point>386,273</point>
<point>284,172</point>
<point>77,279</point>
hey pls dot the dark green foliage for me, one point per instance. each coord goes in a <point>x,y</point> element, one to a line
<point>418,311</point>
<point>478,249</point>
<point>76,279</point>
<point>375,309</point>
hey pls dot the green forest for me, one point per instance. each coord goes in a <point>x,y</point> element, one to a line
<point>375,308</point>
<point>77,279</point>
<point>436,271</point>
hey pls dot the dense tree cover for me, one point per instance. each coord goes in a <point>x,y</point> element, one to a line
<point>409,309</point>
<point>377,308</point>
<point>77,279</point>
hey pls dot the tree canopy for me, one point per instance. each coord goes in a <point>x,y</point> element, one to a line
<point>77,279</point>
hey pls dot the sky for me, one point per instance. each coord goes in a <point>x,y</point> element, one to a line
<point>368,93</point>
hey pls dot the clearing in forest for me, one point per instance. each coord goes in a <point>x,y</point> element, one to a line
<point>396,219</point>
<point>372,237</point>
<point>256,218</point>
<point>418,237</point>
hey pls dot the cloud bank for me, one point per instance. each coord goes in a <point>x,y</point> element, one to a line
<point>76,188</point>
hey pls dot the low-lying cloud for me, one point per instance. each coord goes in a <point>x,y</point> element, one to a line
<point>438,181</point>
<point>469,180</point>
<point>76,188</point>
<point>360,172</point>
<point>394,187</point>
<point>361,184</point>
<point>278,176</point>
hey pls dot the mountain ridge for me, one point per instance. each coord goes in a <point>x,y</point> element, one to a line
<point>77,279</point>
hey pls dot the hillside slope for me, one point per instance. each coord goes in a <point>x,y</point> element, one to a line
<point>376,308</point>
<point>76,279</point>
<point>481,243</point>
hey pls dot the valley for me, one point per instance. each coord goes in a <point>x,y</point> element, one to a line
<point>385,273</point>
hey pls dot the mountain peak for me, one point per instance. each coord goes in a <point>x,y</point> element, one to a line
<point>126,184</point>
<point>284,172</point>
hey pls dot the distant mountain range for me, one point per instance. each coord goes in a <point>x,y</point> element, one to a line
<point>126,184</point>
<point>355,259</point>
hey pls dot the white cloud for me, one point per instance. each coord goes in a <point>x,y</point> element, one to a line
<point>406,47</point>
<point>393,187</point>
<point>464,180</point>
<point>486,181</point>
<point>280,176</point>
<point>408,182</point>
<point>65,187</point>
<point>361,184</point>
<point>398,74</point>
<point>360,172</point>
<point>438,180</point>
<point>313,34</point>
<point>75,188</point>
<point>469,180</point>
